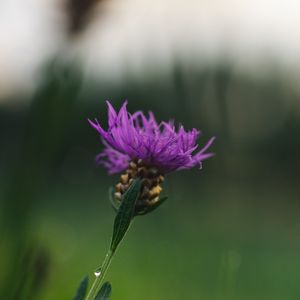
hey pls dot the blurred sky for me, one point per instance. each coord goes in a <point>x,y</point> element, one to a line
<point>131,35</point>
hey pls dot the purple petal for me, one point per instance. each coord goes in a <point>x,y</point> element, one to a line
<point>136,136</point>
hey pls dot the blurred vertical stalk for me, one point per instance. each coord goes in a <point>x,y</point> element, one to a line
<point>222,82</point>
<point>228,275</point>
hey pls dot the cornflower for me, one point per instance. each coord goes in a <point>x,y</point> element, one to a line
<point>138,147</point>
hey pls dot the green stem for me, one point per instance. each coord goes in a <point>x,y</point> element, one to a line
<point>122,223</point>
<point>99,278</point>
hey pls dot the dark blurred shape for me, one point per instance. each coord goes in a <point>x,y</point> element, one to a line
<point>82,289</point>
<point>33,274</point>
<point>79,14</point>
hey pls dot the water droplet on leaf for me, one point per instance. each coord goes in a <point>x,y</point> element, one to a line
<point>97,272</point>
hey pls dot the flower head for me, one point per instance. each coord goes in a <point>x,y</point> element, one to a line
<point>146,149</point>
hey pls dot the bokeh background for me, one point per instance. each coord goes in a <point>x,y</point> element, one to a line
<point>230,231</point>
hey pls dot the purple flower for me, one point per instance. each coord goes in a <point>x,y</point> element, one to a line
<point>134,136</point>
<point>147,150</point>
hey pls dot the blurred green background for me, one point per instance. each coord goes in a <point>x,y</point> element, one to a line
<point>228,231</point>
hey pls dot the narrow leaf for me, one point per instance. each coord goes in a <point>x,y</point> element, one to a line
<point>125,214</point>
<point>104,292</point>
<point>81,291</point>
<point>152,207</point>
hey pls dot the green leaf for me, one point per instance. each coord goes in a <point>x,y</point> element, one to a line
<point>81,291</point>
<point>104,292</point>
<point>152,207</point>
<point>125,214</point>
